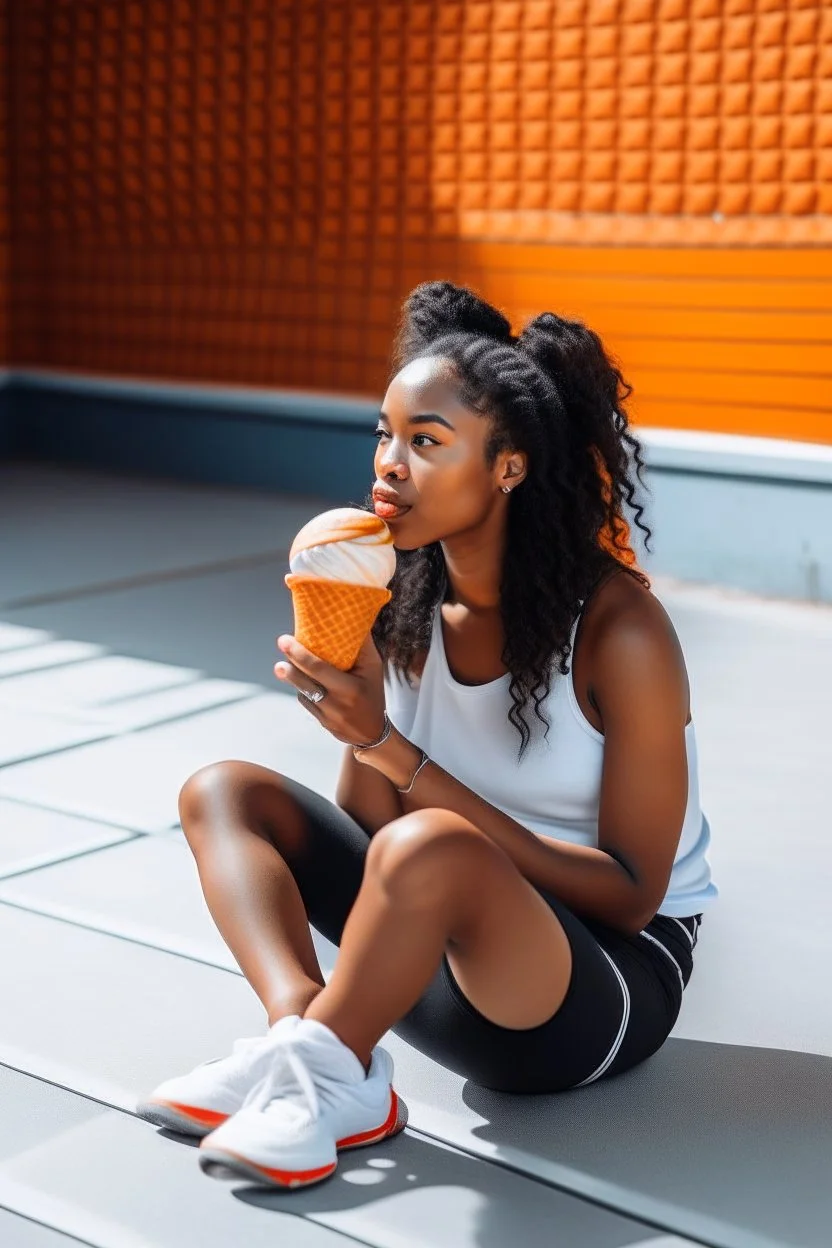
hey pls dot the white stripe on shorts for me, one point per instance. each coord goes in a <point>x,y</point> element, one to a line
<point>596,1074</point>
<point>679,923</point>
<point>667,954</point>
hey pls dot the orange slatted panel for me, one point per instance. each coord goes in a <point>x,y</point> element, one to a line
<point>736,419</point>
<point>641,291</point>
<point>787,359</point>
<point>755,263</point>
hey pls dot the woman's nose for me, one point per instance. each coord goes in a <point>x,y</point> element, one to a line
<point>390,462</point>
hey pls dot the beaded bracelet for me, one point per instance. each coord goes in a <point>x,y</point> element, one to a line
<point>388,728</point>
<point>422,761</point>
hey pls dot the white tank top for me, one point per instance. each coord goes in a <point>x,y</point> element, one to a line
<point>555,790</point>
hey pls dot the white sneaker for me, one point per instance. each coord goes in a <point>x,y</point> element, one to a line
<point>198,1102</point>
<point>315,1100</point>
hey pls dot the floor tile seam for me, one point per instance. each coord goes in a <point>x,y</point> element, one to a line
<point>144,580</point>
<point>65,713</point>
<point>40,1221</point>
<point>539,1179</point>
<point>661,1215</point>
<point>44,638</point>
<point>257,691</point>
<point>25,701</point>
<point>108,1234</point>
<point>108,1096</point>
<point>58,860</point>
<point>174,717</point>
<point>101,652</point>
<point>100,711</point>
<point>192,675</point>
<point>73,814</point>
<point>91,1229</point>
<point>58,915</point>
<point>112,731</point>
<point>95,739</point>
<point>78,811</point>
<point>199,677</point>
<point>119,730</point>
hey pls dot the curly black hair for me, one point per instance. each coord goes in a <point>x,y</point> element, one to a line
<point>552,392</point>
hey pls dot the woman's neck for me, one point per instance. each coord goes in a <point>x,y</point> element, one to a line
<point>474,568</point>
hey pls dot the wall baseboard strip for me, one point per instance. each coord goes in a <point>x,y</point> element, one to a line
<point>748,512</point>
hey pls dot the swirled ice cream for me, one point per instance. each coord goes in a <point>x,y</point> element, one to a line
<point>341,562</point>
<point>345,544</point>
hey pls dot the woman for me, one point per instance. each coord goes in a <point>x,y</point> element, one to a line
<point>515,869</point>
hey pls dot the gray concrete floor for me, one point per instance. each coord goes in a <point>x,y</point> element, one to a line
<point>137,636</point>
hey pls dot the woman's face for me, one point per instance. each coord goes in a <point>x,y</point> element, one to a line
<point>431,459</point>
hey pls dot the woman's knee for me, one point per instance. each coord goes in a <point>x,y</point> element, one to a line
<point>201,791</point>
<point>226,794</point>
<point>424,853</point>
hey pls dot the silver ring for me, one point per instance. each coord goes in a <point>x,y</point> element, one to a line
<point>314,695</point>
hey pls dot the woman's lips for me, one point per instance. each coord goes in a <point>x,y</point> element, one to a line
<point>388,511</point>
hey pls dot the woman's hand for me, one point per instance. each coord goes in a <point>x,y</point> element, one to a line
<point>352,708</point>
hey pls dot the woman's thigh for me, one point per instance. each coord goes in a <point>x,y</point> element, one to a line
<point>618,1010</point>
<point>506,948</point>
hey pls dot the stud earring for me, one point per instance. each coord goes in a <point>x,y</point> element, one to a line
<point>506,489</point>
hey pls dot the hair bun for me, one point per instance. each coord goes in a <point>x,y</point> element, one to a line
<point>433,309</point>
<point>545,339</point>
<point>563,347</point>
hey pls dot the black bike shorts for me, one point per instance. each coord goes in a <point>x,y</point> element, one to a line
<point>623,998</point>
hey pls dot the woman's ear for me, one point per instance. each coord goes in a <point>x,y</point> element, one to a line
<point>514,468</point>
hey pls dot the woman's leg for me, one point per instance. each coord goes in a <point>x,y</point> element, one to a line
<point>271,852</point>
<point>262,842</point>
<point>268,851</point>
<point>436,885</point>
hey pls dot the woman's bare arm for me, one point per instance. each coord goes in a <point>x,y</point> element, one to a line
<point>366,795</point>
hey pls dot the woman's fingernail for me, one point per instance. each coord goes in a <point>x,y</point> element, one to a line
<point>280,669</point>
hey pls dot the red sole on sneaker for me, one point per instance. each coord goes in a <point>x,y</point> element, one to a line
<point>223,1163</point>
<point>186,1119</point>
<point>219,1162</point>
<point>395,1122</point>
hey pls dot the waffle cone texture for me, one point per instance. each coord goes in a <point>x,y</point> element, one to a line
<point>332,618</point>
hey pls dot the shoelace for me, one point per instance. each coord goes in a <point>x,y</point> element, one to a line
<point>278,1081</point>
<point>252,1042</point>
<point>238,1047</point>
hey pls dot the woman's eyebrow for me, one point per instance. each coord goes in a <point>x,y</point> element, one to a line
<point>428,419</point>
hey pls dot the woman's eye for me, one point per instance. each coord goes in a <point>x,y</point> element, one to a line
<point>382,433</point>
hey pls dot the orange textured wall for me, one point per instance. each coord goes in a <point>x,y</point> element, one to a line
<point>244,190</point>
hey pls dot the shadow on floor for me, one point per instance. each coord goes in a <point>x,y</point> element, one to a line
<point>225,624</point>
<point>736,1133</point>
<point>494,1199</point>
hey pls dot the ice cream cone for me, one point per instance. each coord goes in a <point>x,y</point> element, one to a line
<point>332,618</point>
